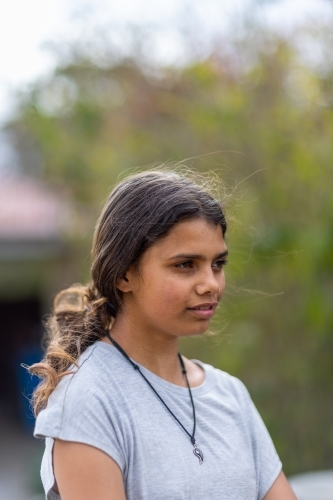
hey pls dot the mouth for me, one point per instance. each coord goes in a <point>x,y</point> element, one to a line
<point>204,311</point>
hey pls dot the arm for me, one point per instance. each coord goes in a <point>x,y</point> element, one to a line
<point>280,489</point>
<point>83,472</point>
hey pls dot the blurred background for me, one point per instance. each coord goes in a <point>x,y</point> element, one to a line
<point>91,90</point>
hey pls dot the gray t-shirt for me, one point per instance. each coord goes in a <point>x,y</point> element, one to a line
<point>108,405</point>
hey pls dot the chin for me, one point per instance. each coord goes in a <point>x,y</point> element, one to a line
<point>198,330</point>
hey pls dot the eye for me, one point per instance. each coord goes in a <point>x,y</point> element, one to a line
<point>218,264</point>
<point>188,264</point>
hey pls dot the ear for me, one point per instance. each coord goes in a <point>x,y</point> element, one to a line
<point>126,283</point>
<point>123,284</point>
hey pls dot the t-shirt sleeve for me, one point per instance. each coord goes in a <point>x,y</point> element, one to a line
<point>268,463</point>
<point>77,413</point>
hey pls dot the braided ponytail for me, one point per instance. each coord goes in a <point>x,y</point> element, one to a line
<point>80,318</point>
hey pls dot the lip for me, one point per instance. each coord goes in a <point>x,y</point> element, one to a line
<point>203,313</point>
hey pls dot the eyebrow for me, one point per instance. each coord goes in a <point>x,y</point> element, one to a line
<point>191,256</point>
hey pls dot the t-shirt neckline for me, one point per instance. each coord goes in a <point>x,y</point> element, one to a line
<point>204,387</point>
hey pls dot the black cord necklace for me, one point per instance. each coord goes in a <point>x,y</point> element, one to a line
<point>197,452</point>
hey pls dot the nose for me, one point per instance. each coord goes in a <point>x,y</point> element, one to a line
<point>210,283</point>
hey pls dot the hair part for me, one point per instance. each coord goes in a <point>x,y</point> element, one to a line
<point>140,210</point>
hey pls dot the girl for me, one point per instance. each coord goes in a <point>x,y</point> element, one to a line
<point>124,416</point>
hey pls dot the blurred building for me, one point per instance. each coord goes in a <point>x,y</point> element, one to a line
<point>35,261</point>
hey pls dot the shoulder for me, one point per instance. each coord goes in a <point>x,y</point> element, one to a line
<point>233,384</point>
<point>80,392</point>
<point>223,381</point>
<point>93,368</point>
<point>226,387</point>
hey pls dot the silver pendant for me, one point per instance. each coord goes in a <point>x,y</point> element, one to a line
<point>198,453</point>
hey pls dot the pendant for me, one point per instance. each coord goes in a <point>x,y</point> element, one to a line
<point>198,453</point>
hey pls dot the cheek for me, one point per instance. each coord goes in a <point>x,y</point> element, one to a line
<point>175,292</point>
<point>169,295</point>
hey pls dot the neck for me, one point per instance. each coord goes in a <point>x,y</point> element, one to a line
<point>152,349</point>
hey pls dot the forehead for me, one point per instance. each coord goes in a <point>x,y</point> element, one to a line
<point>194,236</point>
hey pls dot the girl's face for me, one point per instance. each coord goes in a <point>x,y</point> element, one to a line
<point>179,281</point>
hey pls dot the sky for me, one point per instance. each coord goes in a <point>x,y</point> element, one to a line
<point>28,27</point>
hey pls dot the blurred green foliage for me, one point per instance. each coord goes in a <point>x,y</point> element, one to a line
<point>268,116</point>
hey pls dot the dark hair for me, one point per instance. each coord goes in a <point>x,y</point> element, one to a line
<point>139,211</point>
